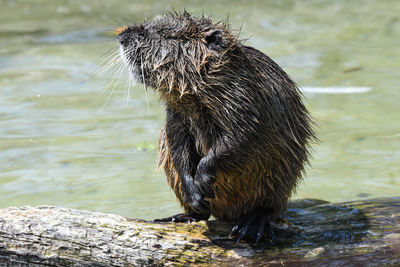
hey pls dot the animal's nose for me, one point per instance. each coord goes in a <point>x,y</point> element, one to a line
<point>127,35</point>
<point>124,37</point>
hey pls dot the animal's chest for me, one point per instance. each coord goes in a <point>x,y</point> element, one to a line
<point>197,120</point>
<point>202,130</point>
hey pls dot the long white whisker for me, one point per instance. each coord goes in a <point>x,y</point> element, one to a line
<point>106,67</point>
<point>144,83</point>
<point>147,100</point>
<point>115,84</point>
<point>129,90</point>
<point>119,67</point>
<point>103,65</point>
<point>106,58</point>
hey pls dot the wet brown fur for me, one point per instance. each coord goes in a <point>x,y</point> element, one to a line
<point>232,114</point>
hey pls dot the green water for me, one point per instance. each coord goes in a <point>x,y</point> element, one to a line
<point>62,143</point>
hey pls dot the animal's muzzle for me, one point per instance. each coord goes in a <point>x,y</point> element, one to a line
<point>124,38</point>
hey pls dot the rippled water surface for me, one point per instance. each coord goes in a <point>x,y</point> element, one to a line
<point>66,140</point>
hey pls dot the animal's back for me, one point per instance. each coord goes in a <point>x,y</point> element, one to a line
<point>270,127</point>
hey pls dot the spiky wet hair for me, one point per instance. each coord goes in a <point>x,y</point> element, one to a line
<point>232,114</point>
<point>176,52</point>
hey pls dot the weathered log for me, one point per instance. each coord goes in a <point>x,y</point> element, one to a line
<point>356,233</point>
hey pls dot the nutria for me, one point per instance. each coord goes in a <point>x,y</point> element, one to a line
<point>236,136</point>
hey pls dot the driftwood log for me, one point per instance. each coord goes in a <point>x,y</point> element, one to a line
<point>313,233</point>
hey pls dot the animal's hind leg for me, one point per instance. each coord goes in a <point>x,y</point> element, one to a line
<point>256,225</point>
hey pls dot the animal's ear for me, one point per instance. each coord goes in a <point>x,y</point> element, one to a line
<point>213,39</point>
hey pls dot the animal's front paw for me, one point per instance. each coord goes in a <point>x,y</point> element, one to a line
<point>197,202</point>
<point>204,178</point>
<point>204,183</point>
<point>186,217</point>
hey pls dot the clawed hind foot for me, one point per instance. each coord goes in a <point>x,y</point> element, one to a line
<point>256,225</point>
<point>187,217</point>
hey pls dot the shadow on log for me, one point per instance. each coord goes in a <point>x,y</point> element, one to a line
<point>354,233</point>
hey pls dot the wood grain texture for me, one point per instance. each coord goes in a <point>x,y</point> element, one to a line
<point>362,232</point>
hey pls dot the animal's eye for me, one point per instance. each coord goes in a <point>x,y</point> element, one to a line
<point>213,39</point>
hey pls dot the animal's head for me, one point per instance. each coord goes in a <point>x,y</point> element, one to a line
<point>177,52</point>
